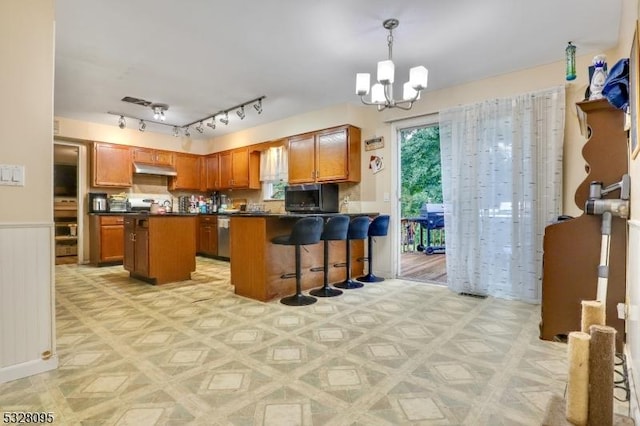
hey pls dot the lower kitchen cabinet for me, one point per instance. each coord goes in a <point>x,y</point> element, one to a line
<point>207,236</point>
<point>107,239</point>
<point>160,249</point>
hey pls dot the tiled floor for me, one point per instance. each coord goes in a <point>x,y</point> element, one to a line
<point>394,353</point>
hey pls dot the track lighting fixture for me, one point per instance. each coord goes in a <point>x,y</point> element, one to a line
<point>258,106</point>
<point>158,111</point>
<point>159,117</point>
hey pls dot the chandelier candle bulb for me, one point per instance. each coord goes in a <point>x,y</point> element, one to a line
<point>377,94</point>
<point>363,82</point>
<point>386,71</point>
<point>418,77</point>
<point>409,92</point>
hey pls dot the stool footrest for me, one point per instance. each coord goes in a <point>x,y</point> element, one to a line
<point>289,275</point>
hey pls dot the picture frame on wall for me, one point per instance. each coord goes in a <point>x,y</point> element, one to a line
<point>634,93</point>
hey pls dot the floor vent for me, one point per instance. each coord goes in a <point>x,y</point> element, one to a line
<point>477,296</point>
<point>136,101</point>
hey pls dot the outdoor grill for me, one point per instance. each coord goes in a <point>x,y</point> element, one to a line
<point>432,219</point>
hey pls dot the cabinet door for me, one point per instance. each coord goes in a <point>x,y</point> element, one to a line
<point>143,155</point>
<point>142,251</point>
<point>188,167</point>
<point>302,159</point>
<point>112,243</point>
<point>225,164</point>
<point>332,156</point>
<point>240,168</point>
<point>111,165</point>
<point>165,158</point>
<point>212,172</point>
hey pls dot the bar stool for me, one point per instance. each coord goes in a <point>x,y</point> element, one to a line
<point>335,229</point>
<point>305,231</point>
<point>358,228</point>
<point>378,228</point>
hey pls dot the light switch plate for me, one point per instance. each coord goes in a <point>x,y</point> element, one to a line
<point>11,175</point>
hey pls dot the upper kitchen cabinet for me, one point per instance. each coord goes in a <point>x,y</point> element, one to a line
<point>212,172</point>
<point>153,156</point>
<point>331,155</point>
<point>111,165</point>
<point>189,169</point>
<point>239,168</point>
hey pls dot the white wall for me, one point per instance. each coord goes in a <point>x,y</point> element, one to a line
<point>26,219</point>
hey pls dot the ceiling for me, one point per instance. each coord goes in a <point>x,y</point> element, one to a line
<point>204,56</point>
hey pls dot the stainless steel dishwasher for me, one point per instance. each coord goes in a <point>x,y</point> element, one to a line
<point>223,236</point>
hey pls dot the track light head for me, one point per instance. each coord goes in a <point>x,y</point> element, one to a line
<point>122,123</point>
<point>225,120</point>
<point>187,133</point>
<point>142,126</point>
<point>175,132</point>
<point>241,113</point>
<point>212,124</point>
<point>199,127</point>
<point>258,106</point>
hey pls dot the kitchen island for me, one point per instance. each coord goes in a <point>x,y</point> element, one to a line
<point>160,248</point>
<point>257,264</point>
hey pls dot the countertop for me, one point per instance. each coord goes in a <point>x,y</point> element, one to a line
<point>236,214</point>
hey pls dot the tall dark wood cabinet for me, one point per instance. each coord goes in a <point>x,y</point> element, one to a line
<point>572,247</point>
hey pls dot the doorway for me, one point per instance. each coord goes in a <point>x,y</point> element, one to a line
<point>67,211</point>
<point>422,245</point>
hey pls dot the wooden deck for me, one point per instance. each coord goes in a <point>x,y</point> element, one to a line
<point>415,265</point>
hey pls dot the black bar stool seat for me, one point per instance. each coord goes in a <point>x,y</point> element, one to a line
<point>379,227</point>
<point>335,229</point>
<point>358,228</point>
<point>305,231</point>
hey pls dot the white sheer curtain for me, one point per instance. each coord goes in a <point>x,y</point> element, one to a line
<point>273,165</point>
<point>502,184</point>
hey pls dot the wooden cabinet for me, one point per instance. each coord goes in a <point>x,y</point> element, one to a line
<point>212,172</point>
<point>111,165</point>
<point>239,168</point>
<point>153,156</point>
<point>331,155</point>
<point>189,169</point>
<point>107,239</point>
<point>208,236</point>
<point>160,248</point>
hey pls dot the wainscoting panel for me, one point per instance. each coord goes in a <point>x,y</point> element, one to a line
<point>633,304</point>
<point>26,300</point>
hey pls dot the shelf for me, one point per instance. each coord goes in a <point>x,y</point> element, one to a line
<point>67,238</point>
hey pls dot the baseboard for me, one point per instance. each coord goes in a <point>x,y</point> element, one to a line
<point>18,371</point>
<point>634,404</point>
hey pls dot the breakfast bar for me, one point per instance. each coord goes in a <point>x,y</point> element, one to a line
<point>257,264</point>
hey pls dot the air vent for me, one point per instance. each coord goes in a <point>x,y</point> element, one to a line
<point>136,101</point>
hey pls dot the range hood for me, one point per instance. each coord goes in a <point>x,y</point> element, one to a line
<point>152,169</point>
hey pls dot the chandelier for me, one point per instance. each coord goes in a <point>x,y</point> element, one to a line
<point>382,91</point>
<point>159,117</point>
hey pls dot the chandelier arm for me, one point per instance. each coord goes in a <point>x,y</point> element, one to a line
<point>388,94</point>
<point>364,101</point>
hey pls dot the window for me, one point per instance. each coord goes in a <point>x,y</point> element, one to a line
<point>273,190</point>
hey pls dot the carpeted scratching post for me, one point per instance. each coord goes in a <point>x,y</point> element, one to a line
<point>593,313</point>
<point>601,364</point>
<point>577,405</point>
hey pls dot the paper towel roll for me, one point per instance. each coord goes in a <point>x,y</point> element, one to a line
<point>592,314</point>
<point>577,404</point>
<point>602,349</point>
